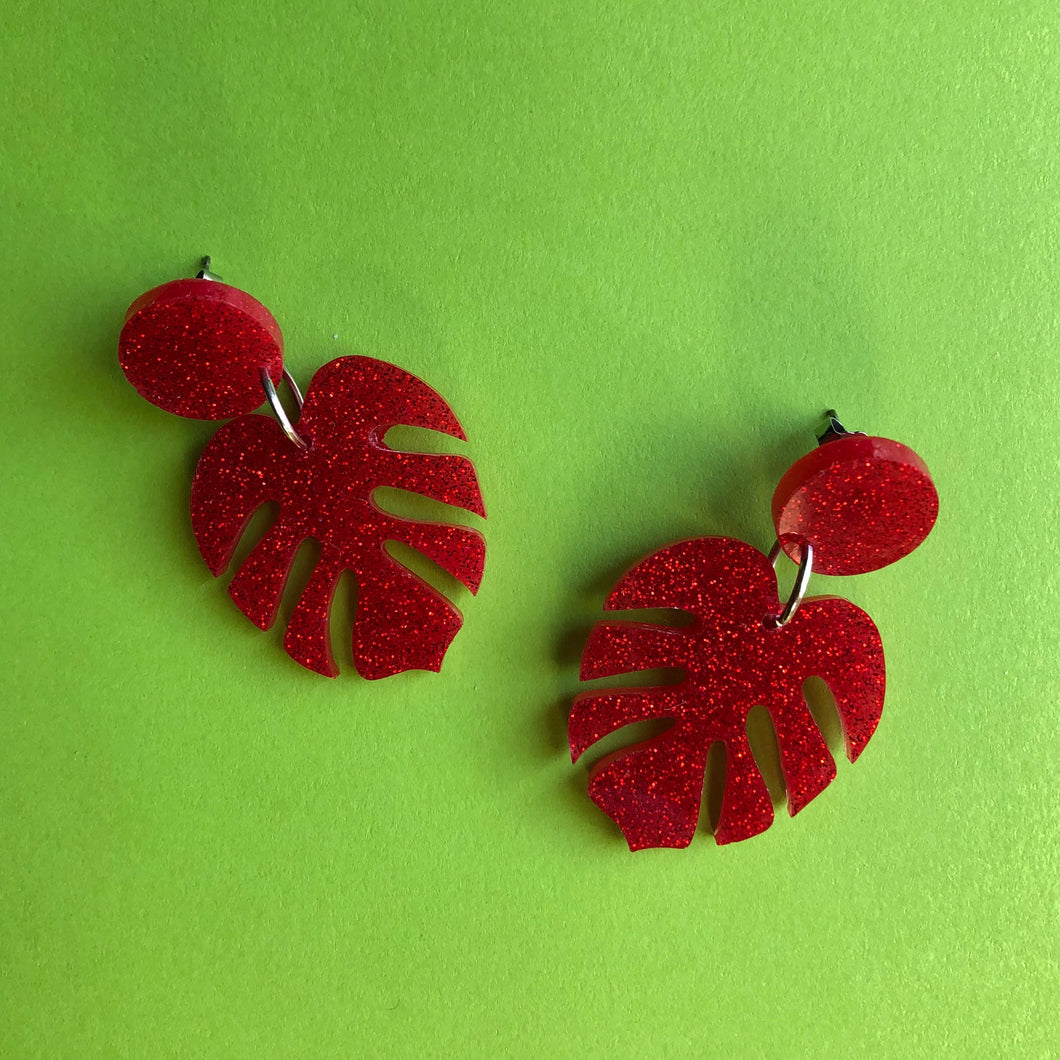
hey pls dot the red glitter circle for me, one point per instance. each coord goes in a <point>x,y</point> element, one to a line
<point>197,348</point>
<point>861,502</point>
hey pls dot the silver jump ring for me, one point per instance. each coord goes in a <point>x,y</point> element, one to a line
<point>798,590</point>
<point>278,410</point>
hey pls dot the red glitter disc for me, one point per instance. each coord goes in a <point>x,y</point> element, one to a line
<point>197,348</point>
<point>732,660</point>
<point>861,502</point>
<point>325,492</point>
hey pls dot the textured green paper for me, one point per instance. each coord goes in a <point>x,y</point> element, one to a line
<point>639,247</point>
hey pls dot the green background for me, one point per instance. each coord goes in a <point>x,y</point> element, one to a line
<point>638,247</point>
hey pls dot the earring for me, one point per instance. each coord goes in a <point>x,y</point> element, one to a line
<point>203,349</point>
<point>852,505</point>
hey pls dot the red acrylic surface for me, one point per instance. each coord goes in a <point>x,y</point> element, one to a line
<point>197,348</point>
<point>861,502</point>
<point>325,492</point>
<point>732,661</point>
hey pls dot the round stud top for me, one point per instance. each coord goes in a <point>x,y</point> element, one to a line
<point>862,503</point>
<point>197,348</point>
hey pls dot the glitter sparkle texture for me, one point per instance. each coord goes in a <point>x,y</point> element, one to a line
<point>324,492</point>
<point>732,661</point>
<point>861,502</point>
<point>197,347</point>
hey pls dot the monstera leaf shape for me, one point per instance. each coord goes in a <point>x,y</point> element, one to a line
<point>733,659</point>
<point>325,492</point>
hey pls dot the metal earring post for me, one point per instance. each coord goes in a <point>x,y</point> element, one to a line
<point>204,273</point>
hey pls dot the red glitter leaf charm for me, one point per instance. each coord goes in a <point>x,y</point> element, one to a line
<point>733,659</point>
<point>324,492</point>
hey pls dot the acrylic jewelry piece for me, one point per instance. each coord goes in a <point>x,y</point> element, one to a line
<point>852,505</point>
<point>203,349</point>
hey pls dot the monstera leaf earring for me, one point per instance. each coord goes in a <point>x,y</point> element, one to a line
<point>203,349</point>
<point>852,505</point>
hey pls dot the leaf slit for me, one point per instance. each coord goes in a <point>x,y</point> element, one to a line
<point>656,678</point>
<point>261,521</point>
<point>667,617</point>
<point>405,504</point>
<point>762,738</point>
<point>822,707</point>
<point>713,788</point>
<point>626,739</point>
<point>437,577</point>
